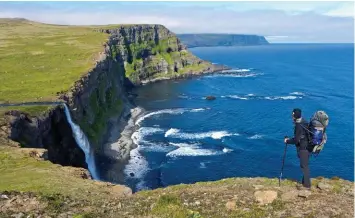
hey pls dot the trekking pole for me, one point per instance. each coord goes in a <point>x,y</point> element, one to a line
<point>283,163</point>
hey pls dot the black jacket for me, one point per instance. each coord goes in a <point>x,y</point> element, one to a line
<point>300,138</point>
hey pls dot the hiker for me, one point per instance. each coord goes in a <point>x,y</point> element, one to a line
<point>300,139</point>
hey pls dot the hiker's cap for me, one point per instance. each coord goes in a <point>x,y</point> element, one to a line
<point>297,113</point>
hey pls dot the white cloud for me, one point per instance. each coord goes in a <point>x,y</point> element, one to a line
<point>346,10</point>
<point>277,25</point>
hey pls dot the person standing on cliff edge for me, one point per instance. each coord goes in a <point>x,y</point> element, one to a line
<point>300,139</point>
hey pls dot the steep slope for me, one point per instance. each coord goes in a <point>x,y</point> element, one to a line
<point>87,67</point>
<point>206,40</point>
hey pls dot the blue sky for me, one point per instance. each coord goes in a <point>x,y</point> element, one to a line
<point>278,21</point>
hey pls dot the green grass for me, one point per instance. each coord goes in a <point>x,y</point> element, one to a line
<point>31,110</point>
<point>170,206</point>
<point>193,68</point>
<point>20,172</point>
<point>39,60</point>
<point>95,129</point>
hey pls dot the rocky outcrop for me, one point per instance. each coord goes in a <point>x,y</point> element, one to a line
<point>150,52</point>
<point>50,131</point>
<point>132,55</point>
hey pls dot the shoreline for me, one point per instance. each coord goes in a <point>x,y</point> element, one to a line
<point>119,144</point>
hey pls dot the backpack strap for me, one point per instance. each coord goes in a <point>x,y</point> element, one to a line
<point>306,129</point>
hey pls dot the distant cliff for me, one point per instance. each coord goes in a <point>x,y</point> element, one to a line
<point>207,40</point>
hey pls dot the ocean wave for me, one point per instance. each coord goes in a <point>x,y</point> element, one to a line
<point>236,97</point>
<point>290,97</point>
<point>227,150</point>
<point>176,133</point>
<point>136,165</point>
<point>256,137</point>
<point>183,96</point>
<point>195,145</point>
<point>168,111</point>
<point>203,164</point>
<point>155,147</point>
<point>297,93</point>
<point>138,136</point>
<point>236,71</point>
<point>255,97</point>
<point>185,149</point>
<point>237,75</point>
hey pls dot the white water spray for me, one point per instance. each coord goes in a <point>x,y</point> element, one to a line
<point>83,143</point>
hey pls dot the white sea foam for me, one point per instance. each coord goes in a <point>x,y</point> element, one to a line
<point>199,109</point>
<point>193,145</point>
<point>176,133</point>
<point>183,96</point>
<point>138,136</point>
<point>202,165</point>
<point>237,97</point>
<point>256,137</point>
<point>185,149</point>
<point>297,93</point>
<point>227,150</point>
<point>155,147</point>
<point>136,165</point>
<point>169,111</point>
<point>236,71</point>
<point>290,97</point>
<point>254,97</point>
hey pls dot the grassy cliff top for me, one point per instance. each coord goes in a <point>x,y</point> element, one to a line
<point>32,186</point>
<point>38,60</point>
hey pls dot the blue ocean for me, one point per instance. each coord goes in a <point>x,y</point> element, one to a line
<point>183,138</point>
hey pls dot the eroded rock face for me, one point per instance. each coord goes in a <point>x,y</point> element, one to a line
<point>51,132</point>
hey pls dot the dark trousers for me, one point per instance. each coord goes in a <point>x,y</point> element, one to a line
<point>304,155</point>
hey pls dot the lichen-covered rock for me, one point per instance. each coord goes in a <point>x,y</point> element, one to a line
<point>265,197</point>
<point>304,193</point>
<point>324,186</point>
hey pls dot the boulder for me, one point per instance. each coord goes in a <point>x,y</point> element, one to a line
<point>265,197</point>
<point>210,97</point>
<point>121,190</point>
<point>304,193</point>
<point>324,186</point>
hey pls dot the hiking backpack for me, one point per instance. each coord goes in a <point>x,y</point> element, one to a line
<point>316,132</point>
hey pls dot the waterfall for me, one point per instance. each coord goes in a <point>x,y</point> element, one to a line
<point>83,143</point>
